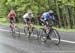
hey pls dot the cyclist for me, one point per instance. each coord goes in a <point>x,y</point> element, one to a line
<point>27,18</point>
<point>11,18</point>
<point>45,17</point>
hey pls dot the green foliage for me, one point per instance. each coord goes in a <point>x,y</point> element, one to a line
<point>60,7</point>
<point>3,20</point>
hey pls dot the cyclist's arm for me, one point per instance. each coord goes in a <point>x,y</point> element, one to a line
<point>54,20</point>
<point>42,18</point>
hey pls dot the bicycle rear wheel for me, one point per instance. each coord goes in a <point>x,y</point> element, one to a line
<point>55,37</point>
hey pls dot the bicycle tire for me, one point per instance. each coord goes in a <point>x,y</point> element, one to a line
<point>55,36</point>
<point>12,32</point>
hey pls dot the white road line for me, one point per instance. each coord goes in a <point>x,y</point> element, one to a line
<point>9,31</point>
<point>23,34</point>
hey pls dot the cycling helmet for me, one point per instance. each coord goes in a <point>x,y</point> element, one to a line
<point>50,11</point>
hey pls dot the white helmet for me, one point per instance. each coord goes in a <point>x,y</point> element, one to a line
<point>12,11</point>
<point>29,11</point>
<point>50,11</point>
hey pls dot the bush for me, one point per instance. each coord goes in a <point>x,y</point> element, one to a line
<point>3,20</point>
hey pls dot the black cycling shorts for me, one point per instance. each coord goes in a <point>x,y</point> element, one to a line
<point>12,20</point>
<point>27,20</point>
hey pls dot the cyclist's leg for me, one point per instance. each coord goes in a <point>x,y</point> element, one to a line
<point>11,22</point>
<point>46,27</point>
<point>13,25</point>
<point>27,23</point>
<point>30,24</point>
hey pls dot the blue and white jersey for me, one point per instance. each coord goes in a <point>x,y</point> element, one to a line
<point>46,15</point>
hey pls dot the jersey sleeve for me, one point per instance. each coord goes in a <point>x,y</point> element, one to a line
<point>41,17</point>
<point>25,16</point>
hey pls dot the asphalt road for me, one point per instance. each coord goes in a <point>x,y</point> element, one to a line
<point>9,44</point>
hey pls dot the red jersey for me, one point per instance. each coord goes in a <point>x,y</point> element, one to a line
<point>11,15</point>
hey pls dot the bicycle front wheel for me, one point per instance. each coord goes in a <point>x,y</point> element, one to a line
<point>55,37</point>
<point>17,30</point>
<point>12,31</point>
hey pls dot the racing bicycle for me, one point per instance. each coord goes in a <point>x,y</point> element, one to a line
<point>50,34</point>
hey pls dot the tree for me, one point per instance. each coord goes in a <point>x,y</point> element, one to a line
<point>57,9</point>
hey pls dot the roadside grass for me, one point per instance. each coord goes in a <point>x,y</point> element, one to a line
<point>3,21</point>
